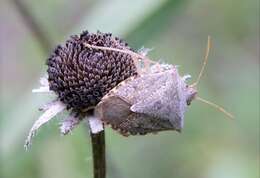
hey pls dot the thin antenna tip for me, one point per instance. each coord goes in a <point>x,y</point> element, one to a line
<point>231,116</point>
<point>219,108</point>
<point>204,62</point>
<point>209,40</point>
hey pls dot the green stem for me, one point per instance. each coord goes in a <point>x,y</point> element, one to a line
<point>99,154</point>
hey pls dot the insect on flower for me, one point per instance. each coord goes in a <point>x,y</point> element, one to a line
<point>80,77</point>
<point>98,78</point>
<point>152,101</point>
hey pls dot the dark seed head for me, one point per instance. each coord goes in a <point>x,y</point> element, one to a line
<point>81,76</point>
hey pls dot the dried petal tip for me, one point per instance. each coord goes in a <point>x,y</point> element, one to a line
<point>44,88</point>
<point>144,51</point>
<point>81,76</point>
<point>55,108</point>
<point>69,124</point>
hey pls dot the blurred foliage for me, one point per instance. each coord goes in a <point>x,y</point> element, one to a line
<point>210,145</point>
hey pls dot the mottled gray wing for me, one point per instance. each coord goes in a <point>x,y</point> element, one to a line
<point>165,102</point>
<point>138,88</point>
<point>115,111</point>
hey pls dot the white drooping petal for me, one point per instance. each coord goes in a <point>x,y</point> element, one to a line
<point>56,107</point>
<point>69,123</point>
<point>95,124</point>
<point>44,81</point>
<point>144,51</point>
<point>41,90</point>
<point>47,106</point>
<point>44,88</point>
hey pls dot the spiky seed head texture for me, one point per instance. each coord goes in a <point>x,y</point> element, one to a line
<point>81,76</point>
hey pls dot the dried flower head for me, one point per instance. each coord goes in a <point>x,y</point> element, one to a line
<point>81,76</point>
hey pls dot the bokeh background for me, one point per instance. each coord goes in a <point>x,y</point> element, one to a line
<point>210,146</point>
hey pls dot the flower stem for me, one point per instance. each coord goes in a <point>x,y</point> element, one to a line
<point>99,154</point>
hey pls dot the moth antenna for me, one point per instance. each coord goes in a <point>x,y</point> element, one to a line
<point>126,51</point>
<point>205,61</point>
<point>221,109</point>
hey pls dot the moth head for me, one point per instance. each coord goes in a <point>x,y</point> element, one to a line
<point>191,94</point>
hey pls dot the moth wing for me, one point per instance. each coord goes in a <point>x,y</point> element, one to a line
<point>155,101</point>
<point>139,88</point>
<point>163,104</point>
<point>113,110</point>
<point>151,105</point>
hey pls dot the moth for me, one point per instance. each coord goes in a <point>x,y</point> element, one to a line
<point>148,103</point>
<point>153,101</point>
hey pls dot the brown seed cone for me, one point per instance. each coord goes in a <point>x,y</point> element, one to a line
<point>81,76</point>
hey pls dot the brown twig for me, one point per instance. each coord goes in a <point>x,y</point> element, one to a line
<point>99,154</point>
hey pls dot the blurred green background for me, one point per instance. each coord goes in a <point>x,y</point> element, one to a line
<point>210,145</point>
